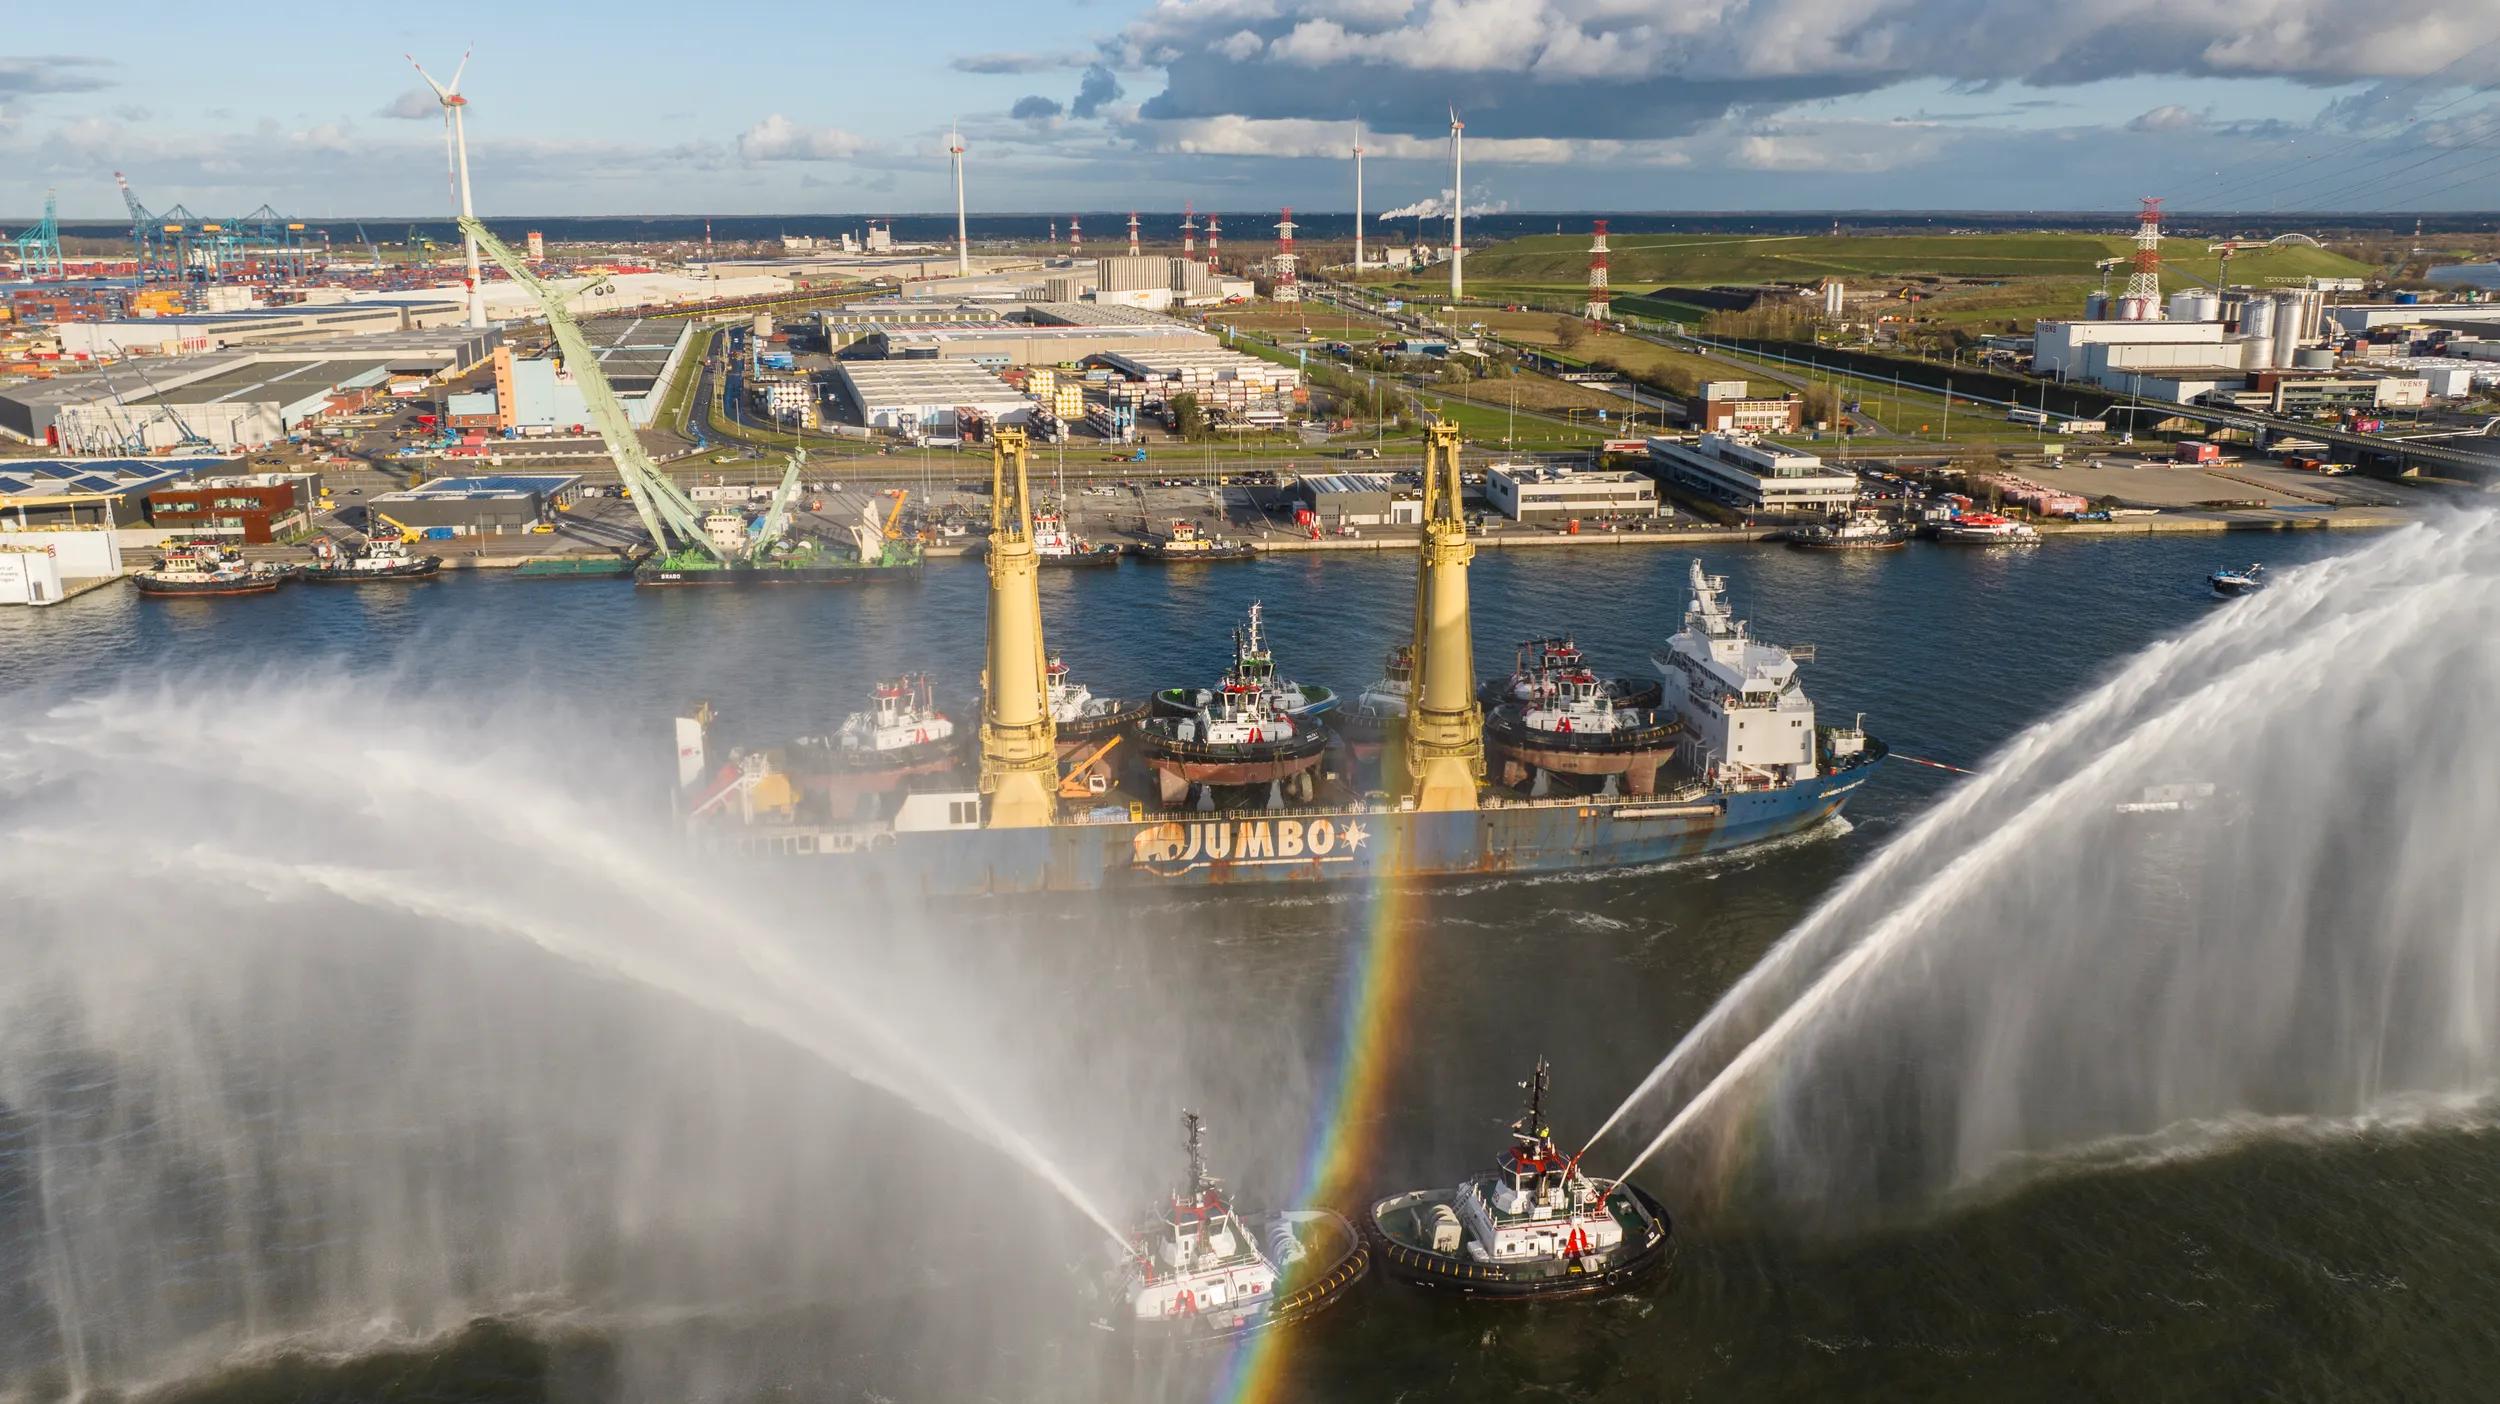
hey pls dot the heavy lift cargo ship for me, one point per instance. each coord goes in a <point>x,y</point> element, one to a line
<point>1754,766</point>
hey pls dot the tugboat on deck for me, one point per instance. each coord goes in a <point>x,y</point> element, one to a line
<point>1236,738</point>
<point>203,569</point>
<point>1186,546</point>
<point>1077,715</point>
<point>382,560</point>
<point>1254,668</point>
<point>903,735</point>
<point>1539,659</point>
<point>1053,545</point>
<point>1572,727</point>
<point>1535,1226</point>
<point>1196,1272</point>
<point>2227,583</point>
<point>1384,704</point>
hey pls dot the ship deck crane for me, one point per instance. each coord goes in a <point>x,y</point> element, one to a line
<point>667,513</point>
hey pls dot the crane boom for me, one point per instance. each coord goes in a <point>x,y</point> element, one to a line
<point>777,516</point>
<point>665,511</point>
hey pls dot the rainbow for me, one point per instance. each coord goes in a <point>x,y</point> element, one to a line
<point>1345,1121</point>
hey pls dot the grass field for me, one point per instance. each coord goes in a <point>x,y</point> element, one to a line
<point>1559,261</point>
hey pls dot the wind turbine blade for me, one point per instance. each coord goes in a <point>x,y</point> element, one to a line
<point>439,92</point>
<point>463,68</point>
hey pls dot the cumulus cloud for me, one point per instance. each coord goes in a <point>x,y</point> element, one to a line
<point>777,138</point>
<point>1099,87</point>
<point>1662,68</point>
<point>1016,62</point>
<point>411,105</point>
<point>1035,108</point>
<point>2169,117</point>
<point>50,73</point>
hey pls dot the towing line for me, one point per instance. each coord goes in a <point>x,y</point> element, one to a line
<point>1933,764</point>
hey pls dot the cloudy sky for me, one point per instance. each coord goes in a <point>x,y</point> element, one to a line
<point>828,106</point>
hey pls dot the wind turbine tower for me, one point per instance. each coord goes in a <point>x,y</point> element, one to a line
<point>1358,198</point>
<point>963,244</point>
<point>1458,207</point>
<point>454,109</point>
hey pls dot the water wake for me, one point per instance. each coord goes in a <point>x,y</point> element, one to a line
<point>2245,877</point>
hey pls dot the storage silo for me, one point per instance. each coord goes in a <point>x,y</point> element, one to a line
<point>2096,307</point>
<point>2316,358</point>
<point>2287,332</point>
<point>2194,306</point>
<point>2257,319</point>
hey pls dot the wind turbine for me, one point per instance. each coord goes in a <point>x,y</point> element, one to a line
<point>1358,199</point>
<point>963,244</point>
<point>456,136</point>
<point>1458,206</point>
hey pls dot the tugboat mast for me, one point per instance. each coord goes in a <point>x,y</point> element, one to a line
<point>1531,1129</point>
<point>1199,1184</point>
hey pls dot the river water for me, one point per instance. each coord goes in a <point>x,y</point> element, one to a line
<point>540,1129</point>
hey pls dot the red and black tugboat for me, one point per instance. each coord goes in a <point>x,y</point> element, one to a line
<point>201,569</point>
<point>1539,659</point>
<point>1197,1272</point>
<point>1571,732</point>
<point>1535,1226</point>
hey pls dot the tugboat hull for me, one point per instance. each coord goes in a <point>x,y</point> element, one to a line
<point>425,568</point>
<point>1544,1279</point>
<point>166,589</point>
<point>1338,1258</point>
<point>752,577</point>
<point>1099,556</point>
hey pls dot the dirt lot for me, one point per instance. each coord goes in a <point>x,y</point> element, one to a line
<point>2153,483</point>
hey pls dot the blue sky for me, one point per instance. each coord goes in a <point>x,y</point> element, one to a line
<point>634,107</point>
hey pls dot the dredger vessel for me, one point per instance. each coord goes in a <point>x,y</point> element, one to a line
<point>1751,764</point>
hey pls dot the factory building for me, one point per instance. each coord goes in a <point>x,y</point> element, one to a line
<point>1134,280</point>
<point>1235,390</point>
<point>1752,476</point>
<point>231,399</point>
<point>1531,492</point>
<point>789,399</point>
<point>2211,342</point>
<point>37,493</point>
<point>607,295</point>
<point>1338,500</point>
<point>538,395</point>
<point>256,326</point>
<point>920,397</point>
<point>853,322</point>
<point>489,506</point>
<point>256,509</point>
<point>1727,405</point>
<point>1008,345</point>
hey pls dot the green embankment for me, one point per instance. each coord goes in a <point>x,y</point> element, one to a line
<point>1641,261</point>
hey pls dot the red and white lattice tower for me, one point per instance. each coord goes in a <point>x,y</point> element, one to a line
<point>2144,284</point>
<point>1288,289</point>
<point>1189,230</point>
<point>1601,306</point>
<point>1076,235</point>
<point>1215,235</point>
<point>1132,233</point>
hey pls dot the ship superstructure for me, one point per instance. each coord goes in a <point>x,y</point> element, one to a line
<point>1751,724</point>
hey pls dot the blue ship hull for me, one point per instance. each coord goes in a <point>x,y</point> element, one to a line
<point>1350,844</point>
